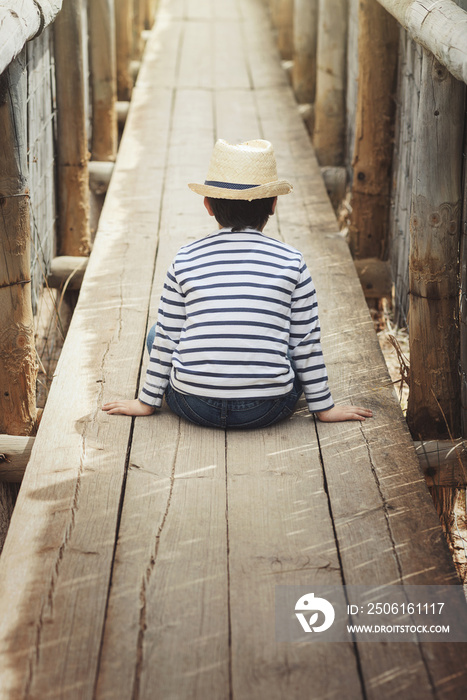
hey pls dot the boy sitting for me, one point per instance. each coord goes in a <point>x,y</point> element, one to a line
<point>237,337</point>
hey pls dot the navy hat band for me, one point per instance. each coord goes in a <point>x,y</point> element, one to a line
<point>229,185</point>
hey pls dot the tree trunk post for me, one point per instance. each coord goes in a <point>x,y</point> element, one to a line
<point>434,397</point>
<point>284,22</point>
<point>124,33</point>
<point>17,354</point>
<point>329,131</point>
<point>73,178</point>
<point>103,61</point>
<point>305,35</point>
<point>377,73</point>
<point>463,295</point>
<point>150,17</point>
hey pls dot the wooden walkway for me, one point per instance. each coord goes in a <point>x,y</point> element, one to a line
<point>142,557</point>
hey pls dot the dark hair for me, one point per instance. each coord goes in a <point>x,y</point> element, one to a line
<point>238,214</point>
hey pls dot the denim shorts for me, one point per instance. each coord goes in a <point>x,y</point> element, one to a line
<point>232,413</point>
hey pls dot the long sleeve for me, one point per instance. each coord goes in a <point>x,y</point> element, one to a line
<point>305,344</point>
<point>170,320</point>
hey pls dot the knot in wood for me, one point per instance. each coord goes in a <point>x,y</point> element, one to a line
<point>440,72</point>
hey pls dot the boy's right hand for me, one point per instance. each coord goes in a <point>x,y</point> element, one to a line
<point>128,407</point>
<point>336,414</point>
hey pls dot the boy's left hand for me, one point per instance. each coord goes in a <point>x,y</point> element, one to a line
<point>343,413</point>
<point>128,407</point>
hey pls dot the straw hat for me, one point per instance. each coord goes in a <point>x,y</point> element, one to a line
<point>242,171</point>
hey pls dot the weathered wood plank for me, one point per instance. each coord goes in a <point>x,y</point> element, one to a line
<point>280,533</point>
<point>279,525</point>
<point>176,480</point>
<point>55,569</point>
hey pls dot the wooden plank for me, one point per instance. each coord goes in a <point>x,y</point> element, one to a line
<point>230,67</point>
<point>280,533</point>
<point>139,663</point>
<point>279,525</point>
<point>55,569</point>
<point>196,62</point>
<point>190,560</point>
<point>263,56</point>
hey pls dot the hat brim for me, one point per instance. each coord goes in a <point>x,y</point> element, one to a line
<point>270,189</point>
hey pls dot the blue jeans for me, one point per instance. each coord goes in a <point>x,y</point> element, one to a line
<point>230,413</point>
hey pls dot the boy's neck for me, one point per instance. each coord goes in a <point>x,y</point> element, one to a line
<point>246,228</point>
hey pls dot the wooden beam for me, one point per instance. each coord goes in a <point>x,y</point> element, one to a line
<point>73,178</point>
<point>21,24</point>
<point>121,109</point>
<point>103,60</point>
<point>438,25</point>
<point>67,270</point>
<point>434,397</point>
<point>378,41</point>
<point>305,37</point>
<point>375,277</point>
<point>14,456</point>
<point>329,131</point>
<point>100,173</point>
<point>335,179</point>
<point>17,354</point>
<point>444,462</point>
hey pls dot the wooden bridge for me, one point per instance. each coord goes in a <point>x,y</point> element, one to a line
<point>142,556</point>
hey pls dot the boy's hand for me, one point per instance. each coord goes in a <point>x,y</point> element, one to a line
<point>128,407</point>
<point>341,413</point>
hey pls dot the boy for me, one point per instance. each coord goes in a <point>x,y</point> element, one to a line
<point>237,337</point>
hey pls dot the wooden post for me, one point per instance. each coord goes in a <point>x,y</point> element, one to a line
<point>124,33</point>
<point>139,18</point>
<point>305,35</point>
<point>463,296</point>
<point>284,22</point>
<point>434,398</point>
<point>73,179</point>
<point>103,61</point>
<point>150,16</point>
<point>17,355</point>
<point>329,132</point>
<point>377,72</point>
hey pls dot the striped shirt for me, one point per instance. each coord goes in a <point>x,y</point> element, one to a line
<point>236,309</point>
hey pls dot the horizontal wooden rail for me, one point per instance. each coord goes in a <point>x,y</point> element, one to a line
<point>67,269</point>
<point>438,25</point>
<point>100,173</point>
<point>19,25</point>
